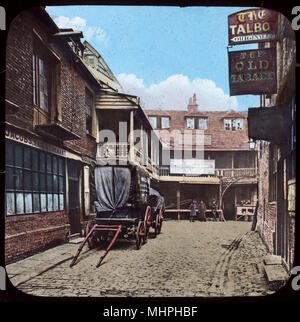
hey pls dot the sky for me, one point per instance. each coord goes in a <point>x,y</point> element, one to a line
<point>162,54</point>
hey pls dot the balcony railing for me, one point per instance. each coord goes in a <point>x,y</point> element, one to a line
<point>229,173</point>
<point>119,153</point>
<point>236,172</point>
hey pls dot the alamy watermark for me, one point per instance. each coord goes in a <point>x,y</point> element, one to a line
<point>140,144</point>
<point>296,20</point>
<point>296,280</point>
<point>2,279</point>
<point>2,18</point>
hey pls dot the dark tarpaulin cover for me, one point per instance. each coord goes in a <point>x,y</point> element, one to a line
<point>112,187</point>
<point>156,199</point>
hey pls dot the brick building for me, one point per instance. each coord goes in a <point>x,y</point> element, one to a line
<point>227,171</point>
<point>273,126</point>
<point>50,146</point>
<point>59,94</point>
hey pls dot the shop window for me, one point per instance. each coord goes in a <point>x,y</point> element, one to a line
<point>35,180</point>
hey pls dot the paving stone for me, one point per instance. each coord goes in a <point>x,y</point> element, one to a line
<point>186,259</point>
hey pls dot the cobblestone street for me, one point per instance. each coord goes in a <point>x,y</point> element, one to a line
<point>186,259</point>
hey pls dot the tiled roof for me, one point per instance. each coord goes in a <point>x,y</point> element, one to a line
<point>219,138</point>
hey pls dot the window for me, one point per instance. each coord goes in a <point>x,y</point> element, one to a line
<point>233,124</point>
<point>89,111</point>
<point>165,122</point>
<point>190,122</point>
<point>153,121</point>
<point>240,124</point>
<point>159,122</point>
<point>34,180</point>
<point>203,123</point>
<point>227,123</point>
<point>41,81</point>
<point>243,196</point>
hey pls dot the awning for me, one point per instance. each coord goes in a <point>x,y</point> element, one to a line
<point>115,100</point>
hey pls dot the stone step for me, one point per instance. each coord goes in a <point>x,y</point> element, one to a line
<point>73,236</point>
<point>273,260</point>
<point>77,240</point>
<point>276,273</point>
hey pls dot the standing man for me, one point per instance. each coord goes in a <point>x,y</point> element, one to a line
<point>193,208</point>
<point>214,209</point>
<point>202,209</point>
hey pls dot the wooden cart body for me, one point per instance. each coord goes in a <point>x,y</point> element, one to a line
<point>122,208</point>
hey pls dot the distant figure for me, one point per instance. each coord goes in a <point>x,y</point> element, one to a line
<point>213,208</point>
<point>202,209</point>
<point>193,208</point>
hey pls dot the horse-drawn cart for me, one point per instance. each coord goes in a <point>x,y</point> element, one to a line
<point>122,208</point>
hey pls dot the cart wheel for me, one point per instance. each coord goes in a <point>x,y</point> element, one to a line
<point>92,241</point>
<point>160,222</point>
<point>140,234</point>
<point>156,225</point>
<point>147,223</point>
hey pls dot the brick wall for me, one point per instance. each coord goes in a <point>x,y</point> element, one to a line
<point>291,238</point>
<point>19,81</point>
<point>266,214</point>
<point>26,234</point>
<point>221,139</point>
<point>19,70</point>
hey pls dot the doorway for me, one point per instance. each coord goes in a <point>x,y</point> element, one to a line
<point>74,202</point>
<point>229,204</point>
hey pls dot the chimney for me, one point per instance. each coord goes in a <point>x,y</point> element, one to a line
<point>193,106</point>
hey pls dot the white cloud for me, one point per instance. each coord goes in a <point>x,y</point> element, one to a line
<point>175,91</point>
<point>90,33</point>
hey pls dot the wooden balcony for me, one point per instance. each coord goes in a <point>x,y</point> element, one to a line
<point>236,172</point>
<point>48,127</point>
<point>243,173</point>
<point>120,154</point>
<point>57,131</point>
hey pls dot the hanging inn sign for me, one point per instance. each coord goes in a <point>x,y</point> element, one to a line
<point>252,71</point>
<point>252,26</point>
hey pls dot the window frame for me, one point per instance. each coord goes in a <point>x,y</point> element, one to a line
<point>89,116</point>
<point>36,190</point>
<point>166,118</point>
<point>190,118</point>
<point>152,117</point>
<point>233,124</point>
<point>199,123</point>
<point>36,81</point>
